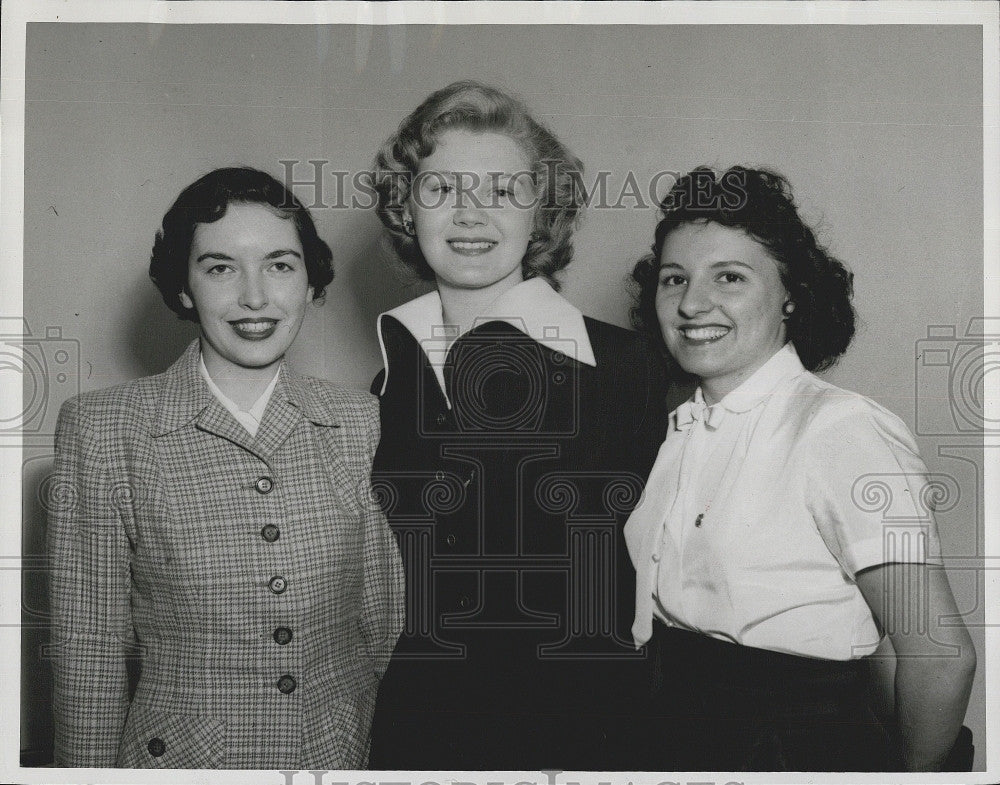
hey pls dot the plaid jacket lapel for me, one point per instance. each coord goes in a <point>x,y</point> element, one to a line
<point>185,398</point>
<point>183,394</point>
<point>216,420</point>
<point>292,401</point>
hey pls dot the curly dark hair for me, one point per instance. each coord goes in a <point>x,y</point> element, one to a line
<point>206,201</point>
<point>479,108</point>
<point>759,202</point>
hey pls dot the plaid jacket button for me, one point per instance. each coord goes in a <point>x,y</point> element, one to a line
<point>442,419</point>
<point>264,485</point>
<point>156,747</point>
<point>451,539</point>
<point>286,684</point>
<point>277,584</point>
<point>270,532</point>
<point>282,635</point>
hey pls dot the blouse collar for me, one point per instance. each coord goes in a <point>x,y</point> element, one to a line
<point>783,365</point>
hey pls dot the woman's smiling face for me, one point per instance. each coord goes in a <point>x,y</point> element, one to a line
<point>473,206</point>
<point>719,303</point>
<point>247,280</point>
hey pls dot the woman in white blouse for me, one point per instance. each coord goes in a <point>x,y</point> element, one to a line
<point>764,575</point>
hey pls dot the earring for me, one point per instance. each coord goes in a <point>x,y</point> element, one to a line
<point>788,308</point>
<point>408,226</point>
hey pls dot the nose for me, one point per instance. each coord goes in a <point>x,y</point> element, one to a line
<point>253,294</point>
<point>469,215</point>
<point>696,300</point>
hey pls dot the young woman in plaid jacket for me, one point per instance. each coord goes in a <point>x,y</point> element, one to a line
<point>215,522</point>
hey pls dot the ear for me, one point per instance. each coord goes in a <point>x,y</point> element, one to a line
<point>309,294</point>
<point>186,300</point>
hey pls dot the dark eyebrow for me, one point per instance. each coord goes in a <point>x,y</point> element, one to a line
<point>221,257</point>
<point>713,265</point>
<point>728,262</point>
<point>283,252</point>
<point>214,256</point>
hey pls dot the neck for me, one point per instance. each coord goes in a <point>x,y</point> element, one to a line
<point>243,386</point>
<point>715,389</point>
<point>461,307</point>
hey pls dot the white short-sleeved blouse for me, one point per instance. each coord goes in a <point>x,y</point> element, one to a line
<point>761,509</point>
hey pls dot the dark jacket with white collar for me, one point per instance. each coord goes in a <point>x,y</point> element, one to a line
<point>507,474</point>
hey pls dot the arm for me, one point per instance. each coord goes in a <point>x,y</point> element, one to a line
<point>382,605</point>
<point>653,392</point>
<point>865,477</point>
<point>89,588</point>
<point>935,660</point>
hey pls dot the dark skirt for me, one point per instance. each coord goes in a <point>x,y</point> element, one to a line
<point>726,707</point>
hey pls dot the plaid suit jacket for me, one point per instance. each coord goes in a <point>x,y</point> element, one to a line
<point>255,579</point>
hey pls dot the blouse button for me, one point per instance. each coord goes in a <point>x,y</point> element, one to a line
<point>277,584</point>
<point>264,485</point>
<point>270,532</point>
<point>286,684</point>
<point>656,556</point>
<point>156,747</point>
<point>282,635</point>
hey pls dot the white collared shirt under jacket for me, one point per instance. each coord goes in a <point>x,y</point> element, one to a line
<point>761,509</point>
<point>248,418</point>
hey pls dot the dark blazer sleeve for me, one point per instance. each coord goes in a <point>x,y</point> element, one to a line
<point>89,591</point>
<point>651,427</point>
<point>383,602</point>
<point>377,382</point>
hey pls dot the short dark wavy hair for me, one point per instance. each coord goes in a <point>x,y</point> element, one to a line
<point>472,106</point>
<point>206,201</point>
<point>759,202</point>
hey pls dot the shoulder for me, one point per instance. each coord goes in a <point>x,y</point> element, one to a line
<point>617,346</point>
<point>347,406</point>
<point>611,337</point>
<point>110,405</point>
<point>830,412</point>
<point>620,351</point>
<point>342,397</point>
<point>104,421</point>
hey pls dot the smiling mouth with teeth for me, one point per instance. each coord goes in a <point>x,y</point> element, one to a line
<point>255,328</point>
<point>471,245</point>
<point>712,333</point>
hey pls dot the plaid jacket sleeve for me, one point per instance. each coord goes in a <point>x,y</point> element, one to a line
<point>383,608</point>
<point>90,584</point>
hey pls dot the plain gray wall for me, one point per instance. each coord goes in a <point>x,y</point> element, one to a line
<point>879,129</point>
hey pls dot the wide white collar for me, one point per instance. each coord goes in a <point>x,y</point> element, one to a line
<point>532,306</point>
